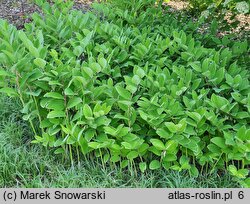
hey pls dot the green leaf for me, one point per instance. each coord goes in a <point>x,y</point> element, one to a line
<point>8,91</point>
<point>126,145</point>
<point>40,62</point>
<point>115,158</point>
<point>140,72</point>
<point>5,73</point>
<point>69,92</point>
<point>59,142</point>
<point>78,50</point>
<point>54,95</point>
<point>85,42</point>
<point>87,111</point>
<point>132,155</point>
<point>56,114</point>
<point>89,134</point>
<point>155,164</point>
<point>88,71</point>
<point>83,144</point>
<point>171,146</point>
<point>34,93</point>
<point>174,128</point>
<point>28,44</point>
<point>94,145</point>
<point>195,66</point>
<point>106,158</point>
<point>143,166</point>
<point>59,151</point>
<point>242,173</point>
<point>194,171</point>
<point>123,55</point>
<point>229,139</point>
<point>195,116</point>
<point>103,62</point>
<point>219,141</point>
<point>170,157</point>
<point>124,163</point>
<point>184,160</point>
<point>110,130</point>
<point>219,101</point>
<point>171,126</point>
<point>232,169</point>
<point>158,144</point>
<point>74,102</point>
<point>162,133</point>
<point>96,67</point>
<point>243,134</point>
<point>50,103</point>
<point>136,79</point>
<point>123,92</point>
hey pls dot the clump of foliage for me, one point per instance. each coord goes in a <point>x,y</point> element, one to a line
<point>237,6</point>
<point>133,89</point>
<point>222,16</point>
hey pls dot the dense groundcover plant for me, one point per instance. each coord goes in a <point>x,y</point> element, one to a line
<point>132,88</point>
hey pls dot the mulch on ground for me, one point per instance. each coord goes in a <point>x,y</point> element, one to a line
<point>18,12</point>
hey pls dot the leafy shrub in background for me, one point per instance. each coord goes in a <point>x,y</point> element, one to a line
<point>199,5</point>
<point>220,13</point>
<point>237,6</point>
<point>131,88</point>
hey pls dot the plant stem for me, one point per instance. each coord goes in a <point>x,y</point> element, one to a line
<point>22,101</point>
<point>71,156</point>
<point>103,166</point>
<point>78,156</point>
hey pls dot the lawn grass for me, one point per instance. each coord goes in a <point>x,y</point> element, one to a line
<point>25,165</point>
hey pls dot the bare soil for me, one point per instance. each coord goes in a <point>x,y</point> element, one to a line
<point>19,12</point>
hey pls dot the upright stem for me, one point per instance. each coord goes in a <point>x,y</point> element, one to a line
<point>71,156</point>
<point>216,163</point>
<point>103,166</point>
<point>38,113</point>
<point>22,101</point>
<point>78,156</point>
<point>243,164</point>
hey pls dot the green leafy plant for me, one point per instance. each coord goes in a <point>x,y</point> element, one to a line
<point>137,91</point>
